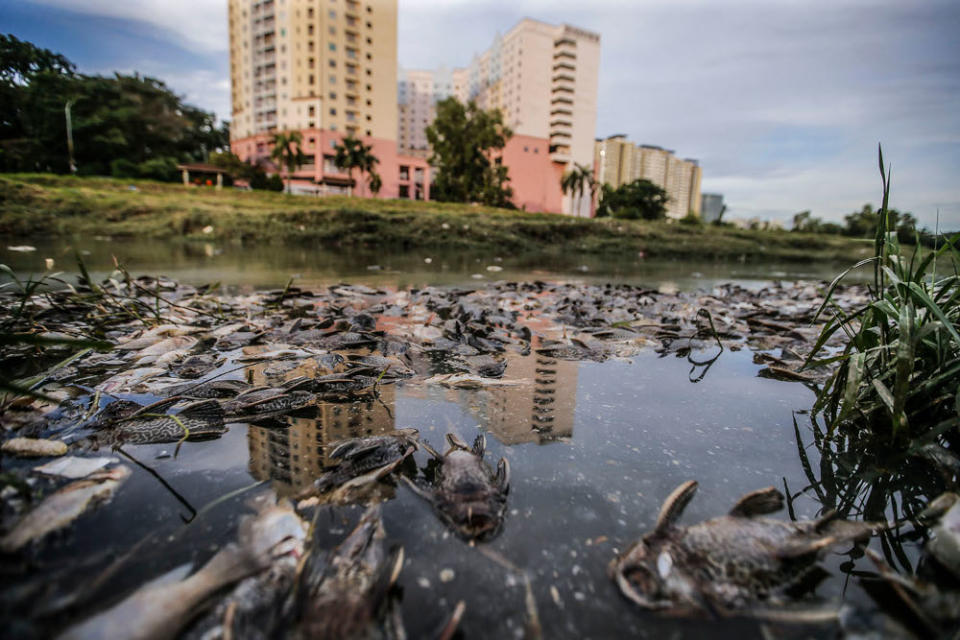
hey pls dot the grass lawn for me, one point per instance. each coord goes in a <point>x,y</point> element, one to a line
<point>36,204</point>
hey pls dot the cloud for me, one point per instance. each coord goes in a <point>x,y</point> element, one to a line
<point>783,102</point>
<point>199,25</point>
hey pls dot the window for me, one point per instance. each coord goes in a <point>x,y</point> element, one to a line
<point>368,133</point>
<point>310,79</point>
<point>369,72</point>
<point>310,13</point>
<point>333,79</point>
<point>369,103</point>
<point>310,62</point>
<point>333,95</point>
<point>369,40</point>
<point>332,64</point>
<point>404,191</point>
<point>333,111</point>
<point>332,31</point>
<point>312,111</point>
<point>332,14</point>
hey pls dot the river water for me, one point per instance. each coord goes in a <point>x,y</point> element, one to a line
<point>621,435</point>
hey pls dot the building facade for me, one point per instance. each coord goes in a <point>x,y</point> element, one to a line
<point>327,70</point>
<point>619,161</point>
<point>711,206</point>
<point>543,78</point>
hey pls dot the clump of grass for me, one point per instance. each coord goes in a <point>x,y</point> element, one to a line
<point>899,373</point>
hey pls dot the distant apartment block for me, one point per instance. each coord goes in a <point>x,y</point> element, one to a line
<point>327,70</point>
<point>544,79</point>
<point>418,93</point>
<point>619,161</point>
<point>711,206</point>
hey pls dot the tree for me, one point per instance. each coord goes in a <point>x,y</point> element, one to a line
<point>578,181</point>
<point>124,117</point>
<point>287,152</point>
<point>863,224</point>
<point>638,199</point>
<point>352,154</point>
<point>465,141</point>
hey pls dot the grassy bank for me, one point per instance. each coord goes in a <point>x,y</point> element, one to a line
<point>33,205</point>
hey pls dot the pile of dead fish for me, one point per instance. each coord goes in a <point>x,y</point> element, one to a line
<point>185,363</point>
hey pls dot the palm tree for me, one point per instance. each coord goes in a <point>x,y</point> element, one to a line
<point>287,152</point>
<point>577,181</point>
<point>353,154</point>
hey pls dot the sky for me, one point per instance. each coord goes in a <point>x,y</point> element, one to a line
<point>783,102</point>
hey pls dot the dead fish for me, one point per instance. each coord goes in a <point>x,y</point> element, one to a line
<point>63,507</point>
<point>128,379</point>
<point>33,447</point>
<point>160,609</point>
<point>196,366</point>
<point>469,381</point>
<point>945,545</point>
<point>347,593</point>
<point>734,563</point>
<point>468,495</point>
<point>360,456</point>
<point>260,403</point>
<point>74,467</point>
<point>152,425</point>
<point>209,389</point>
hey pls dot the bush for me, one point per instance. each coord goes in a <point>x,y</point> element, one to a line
<point>123,168</point>
<point>162,169</point>
<point>274,183</point>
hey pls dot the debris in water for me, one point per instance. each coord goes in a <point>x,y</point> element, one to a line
<point>34,447</point>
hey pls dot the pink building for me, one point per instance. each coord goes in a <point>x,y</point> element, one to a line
<point>534,177</point>
<point>402,176</point>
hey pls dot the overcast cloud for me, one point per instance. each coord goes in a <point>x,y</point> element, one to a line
<point>782,102</point>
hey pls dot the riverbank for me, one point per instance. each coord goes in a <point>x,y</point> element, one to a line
<point>34,205</point>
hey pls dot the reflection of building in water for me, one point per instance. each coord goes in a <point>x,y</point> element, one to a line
<point>294,457</point>
<point>540,411</point>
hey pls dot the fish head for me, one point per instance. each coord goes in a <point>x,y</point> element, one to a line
<point>274,532</point>
<point>647,575</point>
<point>475,519</point>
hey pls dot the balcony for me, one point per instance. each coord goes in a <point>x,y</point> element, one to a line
<point>560,111</point>
<point>561,123</point>
<point>563,77</point>
<point>562,54</point>
<point>561,89</point>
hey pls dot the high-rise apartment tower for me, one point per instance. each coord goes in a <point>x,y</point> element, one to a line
<point>325,68</point>
<point>619,161</point>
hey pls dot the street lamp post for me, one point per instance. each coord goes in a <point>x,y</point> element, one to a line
<point>66,111</point>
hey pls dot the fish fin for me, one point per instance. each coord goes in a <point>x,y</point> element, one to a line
<point>426,445</point>
<point>806,547</point>
<point>823,521</point>
<point>251,390</point>
<point>160,406</point>
<point>759,502</point>
<point>351,449</point>
<point>503,475</point>
<point>480,445</point>
<point>204,410</point>
<point>456,443</point>
<point>297,384</point>
<point>674,505</point>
